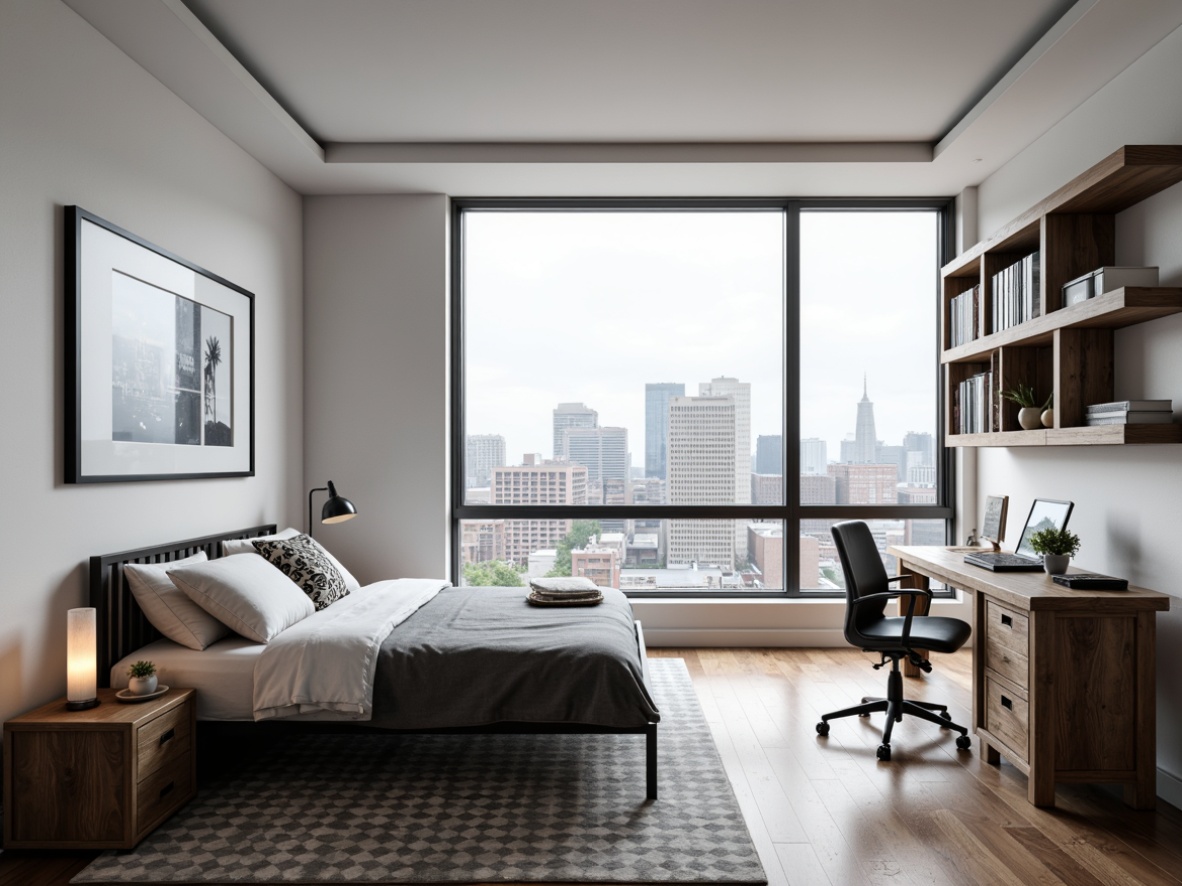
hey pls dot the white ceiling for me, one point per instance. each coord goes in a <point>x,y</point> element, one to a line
<point>634,97</point>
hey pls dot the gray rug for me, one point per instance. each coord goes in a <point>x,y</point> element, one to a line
<point>463,808</point>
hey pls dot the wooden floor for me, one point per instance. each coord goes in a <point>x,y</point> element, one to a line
<point>825,811</point>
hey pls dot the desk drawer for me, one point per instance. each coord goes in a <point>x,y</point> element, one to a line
<point>1007,715</point>
<point>1007,643</point>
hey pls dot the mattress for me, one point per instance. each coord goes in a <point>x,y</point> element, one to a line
<point>222,674</point>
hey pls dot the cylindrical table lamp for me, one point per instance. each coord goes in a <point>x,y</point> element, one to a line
<point>81,652</point>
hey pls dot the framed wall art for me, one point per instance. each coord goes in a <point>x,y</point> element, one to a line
<point>159,362</point>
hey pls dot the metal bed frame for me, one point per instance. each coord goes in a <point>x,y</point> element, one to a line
<point>123,628</point>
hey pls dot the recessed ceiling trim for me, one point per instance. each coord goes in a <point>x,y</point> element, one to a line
<point>628,152</point>
<point>1024,64</point>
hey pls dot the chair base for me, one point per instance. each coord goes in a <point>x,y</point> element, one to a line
<point>895,706</point>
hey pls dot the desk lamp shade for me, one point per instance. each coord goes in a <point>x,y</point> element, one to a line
<point>336,509</point>
<point>81,655</point>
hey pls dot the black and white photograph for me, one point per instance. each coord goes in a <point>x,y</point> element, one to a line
<point>161,367</point>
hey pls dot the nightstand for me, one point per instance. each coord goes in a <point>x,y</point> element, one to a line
<point>103,778</point>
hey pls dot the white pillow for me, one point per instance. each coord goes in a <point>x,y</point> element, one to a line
<point>168,609</point>
<point>246,546</point>
<point>247,594</point>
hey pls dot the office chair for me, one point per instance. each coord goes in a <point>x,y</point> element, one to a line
<point>867,626</point>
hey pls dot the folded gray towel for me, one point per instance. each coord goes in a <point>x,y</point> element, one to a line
<point>563,585</point>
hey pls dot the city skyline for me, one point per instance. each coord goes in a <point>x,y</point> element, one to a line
<point>610,301</point>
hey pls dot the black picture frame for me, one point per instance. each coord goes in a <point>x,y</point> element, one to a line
<point>150,339</point>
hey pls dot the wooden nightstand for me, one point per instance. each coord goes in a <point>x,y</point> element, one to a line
<point>98,779</point>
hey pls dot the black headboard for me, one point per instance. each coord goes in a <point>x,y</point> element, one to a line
<point>122,626</point>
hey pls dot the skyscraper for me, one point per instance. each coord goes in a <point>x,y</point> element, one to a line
<point>602,451</point>
<point>769,454</point>
<point>702,472</point>
<point>656,425</point>
<point>865,438</point>
<point>740,392</point>
<point>485,452</point>
<point>571,415</point>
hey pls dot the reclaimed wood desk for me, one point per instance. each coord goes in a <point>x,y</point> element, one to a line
<point>1063,680</point>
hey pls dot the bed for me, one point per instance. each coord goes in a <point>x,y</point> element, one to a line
<point>470,660</point>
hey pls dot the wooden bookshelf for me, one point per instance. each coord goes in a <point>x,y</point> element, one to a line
<point>1064,350</point>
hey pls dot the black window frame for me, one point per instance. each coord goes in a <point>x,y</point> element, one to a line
<point>791,512</point>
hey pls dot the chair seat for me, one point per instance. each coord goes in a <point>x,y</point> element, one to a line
<point>932,632</point>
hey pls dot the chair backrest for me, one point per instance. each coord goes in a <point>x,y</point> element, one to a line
<point>864,575</point>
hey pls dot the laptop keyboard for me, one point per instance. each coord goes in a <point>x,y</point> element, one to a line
<point>1004,559</point>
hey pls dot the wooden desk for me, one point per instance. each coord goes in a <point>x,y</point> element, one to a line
<point>1063,680</point>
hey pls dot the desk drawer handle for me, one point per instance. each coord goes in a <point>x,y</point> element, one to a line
<point>167,789</point>
<point>167,737</point>
<point>1006,703</point>
<point>1007,621</point>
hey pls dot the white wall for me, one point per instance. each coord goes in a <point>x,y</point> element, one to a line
<point>81,123</point>
<point>1127,510</point>
<point>376,380</point>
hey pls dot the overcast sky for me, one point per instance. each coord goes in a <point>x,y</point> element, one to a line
<point>589,307</point>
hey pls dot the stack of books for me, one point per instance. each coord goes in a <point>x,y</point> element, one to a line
<point>1131,412</point>
<point>974,409</point>
<point>1016,296</point>
<point>965,320</point>
<point>572,591</point>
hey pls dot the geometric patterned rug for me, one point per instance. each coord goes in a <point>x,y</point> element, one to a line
<point>462,809</point>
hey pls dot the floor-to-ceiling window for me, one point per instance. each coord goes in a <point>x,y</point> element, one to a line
<point>680,398</point>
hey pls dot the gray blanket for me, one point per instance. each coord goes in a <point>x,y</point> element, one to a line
<point>479,656</point>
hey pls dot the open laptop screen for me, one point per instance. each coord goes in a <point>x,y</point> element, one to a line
<point>1044,514</point>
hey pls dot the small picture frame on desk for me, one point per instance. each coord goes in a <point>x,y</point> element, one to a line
<point>993,528</point>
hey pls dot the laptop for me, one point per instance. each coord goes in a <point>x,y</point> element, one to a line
<point>1045,513</point>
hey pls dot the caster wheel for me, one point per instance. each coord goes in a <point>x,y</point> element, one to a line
<point>822,728</point>
<point>944,715</point>
<point>884,753</point>
<point>964,742</point>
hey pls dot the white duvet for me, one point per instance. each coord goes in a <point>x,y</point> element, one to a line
<point>325,664</point>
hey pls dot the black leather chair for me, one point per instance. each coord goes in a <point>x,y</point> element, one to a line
<point>868,626</point>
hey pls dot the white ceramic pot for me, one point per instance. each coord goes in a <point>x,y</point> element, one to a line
<point>142,685</point>
<point>1056,564</point>
<point>1048,418</point>
<point>1029,417</point>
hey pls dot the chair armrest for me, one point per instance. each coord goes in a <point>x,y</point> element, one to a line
<point>913,593</point>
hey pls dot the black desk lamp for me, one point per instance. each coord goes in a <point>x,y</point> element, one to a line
<point>336,510</point>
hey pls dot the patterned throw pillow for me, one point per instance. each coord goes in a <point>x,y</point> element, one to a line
<point>305,563</point>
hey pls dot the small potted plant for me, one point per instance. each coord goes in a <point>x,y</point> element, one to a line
<point>143,678</point>
<point>1057,547</point>
<point>1030,413</point>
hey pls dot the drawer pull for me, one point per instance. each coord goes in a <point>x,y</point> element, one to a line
<point>167,789</point>
<point>1007,621</point>
<point>1006,703</point>
<point>167,737</point>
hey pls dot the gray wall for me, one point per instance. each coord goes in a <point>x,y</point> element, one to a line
<point>81,123</point>
<point>1126,498</point>
<point>376,381</point>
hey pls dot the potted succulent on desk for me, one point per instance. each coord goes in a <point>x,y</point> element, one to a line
<point>1057,547</point>
<point>1030,412</point>
<point>142,678</point>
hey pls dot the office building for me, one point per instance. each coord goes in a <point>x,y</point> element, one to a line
<point>769,454</point>
<point>740,393</point>
<point>865,484</point>
<point>548,483</point>
<point>767,489</point>
<point>598,563</point>
<point>571,415</point>
<point>483,540</point>
<point>814,456</point>
<point>921,445</point>
<point>656,425</point>
<point>765,551</point>
<point>485,452</point>
<point>602,451</point>
<point>702,456</point>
